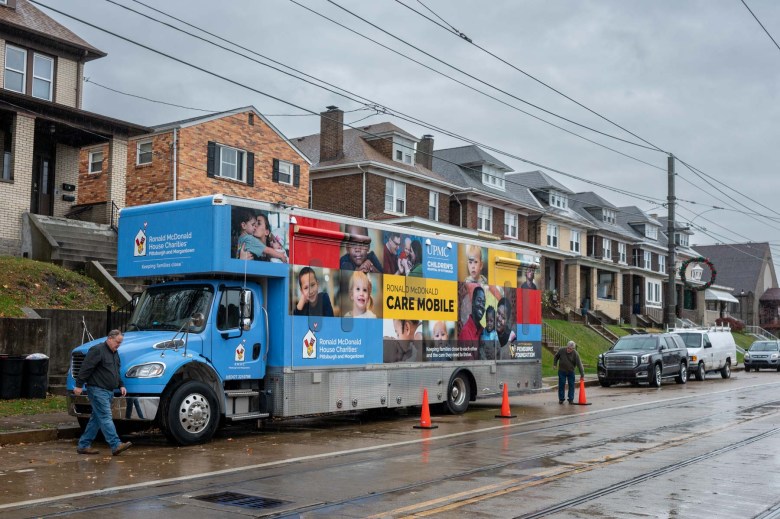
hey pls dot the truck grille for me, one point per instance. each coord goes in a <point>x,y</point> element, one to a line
<point>76,360</point>
<point>620,361</point>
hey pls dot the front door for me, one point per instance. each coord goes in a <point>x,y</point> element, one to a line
<point>42,196</point>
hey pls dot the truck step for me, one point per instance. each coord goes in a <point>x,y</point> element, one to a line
<point>246,416</point>
<point>236,393</point>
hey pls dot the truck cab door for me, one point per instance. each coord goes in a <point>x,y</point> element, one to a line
<point>238,341</point>
<point>670,354</point>
<point>709,355</point>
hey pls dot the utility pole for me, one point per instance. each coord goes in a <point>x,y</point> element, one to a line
<point>671,293</point>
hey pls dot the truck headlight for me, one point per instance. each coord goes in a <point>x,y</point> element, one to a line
<point>774,356</point>
<point>644,359</point>
<point>693,358</point>
<point>150,370</point>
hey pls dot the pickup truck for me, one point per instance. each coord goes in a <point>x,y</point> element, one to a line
<point>647,358</point>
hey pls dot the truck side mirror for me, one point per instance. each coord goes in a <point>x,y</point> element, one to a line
<point>246,304</point>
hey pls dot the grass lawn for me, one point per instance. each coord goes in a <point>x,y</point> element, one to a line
<point>33,406</point>
<point>589,345</point>
<point>743,341</point>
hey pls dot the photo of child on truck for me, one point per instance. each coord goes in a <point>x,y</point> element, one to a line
<point>311,301</point>
<point>489,337</point>
<point>359,255</point>
<point>359,294</point>
<point>406,345</point>
<point>440,341</point>
<point>254,239</point>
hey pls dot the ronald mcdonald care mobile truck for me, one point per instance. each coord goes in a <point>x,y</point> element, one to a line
<point>268,311</point>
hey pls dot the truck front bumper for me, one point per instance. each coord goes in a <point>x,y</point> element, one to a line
<point>135,408</point>
<point>614,375</point>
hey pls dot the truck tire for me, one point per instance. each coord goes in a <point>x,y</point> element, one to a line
<point>682,375</point>
<point>458,394</point>
<point>192,414</point>
<point>604,382</point>
<point>655,375</point>
<point>726,371</point>
<point>701,372</point>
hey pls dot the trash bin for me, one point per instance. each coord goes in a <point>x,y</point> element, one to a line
<point>35,380</point>
<point>11,376</point>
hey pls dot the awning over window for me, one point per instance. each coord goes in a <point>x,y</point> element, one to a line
<point>712,294</point>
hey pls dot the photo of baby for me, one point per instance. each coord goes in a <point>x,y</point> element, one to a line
<point>359,295</point>
<point>402,341</point>
<point>440,341</point>
<point>475,265</point>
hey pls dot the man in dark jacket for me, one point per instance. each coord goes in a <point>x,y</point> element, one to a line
<point>100,371</point>
<point>567,360</point>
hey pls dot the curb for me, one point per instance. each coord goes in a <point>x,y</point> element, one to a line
<point>39,435</point>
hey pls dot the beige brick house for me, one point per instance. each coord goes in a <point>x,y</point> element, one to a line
<point>237,152</point>
<point>42,125</point>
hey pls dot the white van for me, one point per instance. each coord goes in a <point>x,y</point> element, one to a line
<point>709,349</point>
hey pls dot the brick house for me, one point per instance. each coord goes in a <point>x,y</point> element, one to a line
<point>237,152</point>
<point>42,125</point>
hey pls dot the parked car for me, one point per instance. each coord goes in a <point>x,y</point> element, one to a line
<point>763,354</point>
<point>647,358</point>
<point>709,349</point>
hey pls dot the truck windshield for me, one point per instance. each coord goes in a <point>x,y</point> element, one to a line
<point>635,343</point>
<point>691,340</point>
<point>764,346</point>
<point>169,307</point>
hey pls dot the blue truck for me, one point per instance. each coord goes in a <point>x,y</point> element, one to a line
<point>261,311</point>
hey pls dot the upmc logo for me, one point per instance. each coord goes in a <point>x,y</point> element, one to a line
<point>440,259</point>
<point>438,251</point>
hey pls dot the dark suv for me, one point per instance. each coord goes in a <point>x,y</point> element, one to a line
<point>647,357</point>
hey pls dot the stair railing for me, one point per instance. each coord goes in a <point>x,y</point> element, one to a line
<point>114,220</point>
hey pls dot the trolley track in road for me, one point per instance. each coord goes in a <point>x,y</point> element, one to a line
<point>769,407</point>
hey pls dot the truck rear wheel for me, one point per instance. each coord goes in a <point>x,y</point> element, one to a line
<point>458,394</point>
<point>682,376</point>
<point>192,415</point>
<point>726,371</point>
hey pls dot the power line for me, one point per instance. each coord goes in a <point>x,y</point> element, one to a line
<point>761,24</point>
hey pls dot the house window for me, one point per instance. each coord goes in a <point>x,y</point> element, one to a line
<point>662,264</point>
<point>17,62</point>
<point>648,260</point>
<point>484,218</point>
<point>403,150</point>
<point>143,153</point>
<point>510,225</point>
<point>433,206</point>
<point>622,253</point>
<point>552,235</point>
<point>285,172</point>
<point>653,295</point>
<point>606,286</point>
<point>607,254</point>
<point>681,239</point>
<point>574,243</point>
<point>558,200</point>
<point>95,161</point>
<point>651,232</point>
<point>608,216</point>
<point>232,163</point>
<point>15,69</point>
<point>395,196</point>
<point>493,177</point>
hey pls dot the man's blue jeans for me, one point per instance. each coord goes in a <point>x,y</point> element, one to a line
<point>563,377</point>
<point>100,420</point>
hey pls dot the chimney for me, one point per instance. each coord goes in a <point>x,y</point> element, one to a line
<point>331,134</point>
<point>424,155</point>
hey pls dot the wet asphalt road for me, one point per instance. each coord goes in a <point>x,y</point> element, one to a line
<point>703,449</point>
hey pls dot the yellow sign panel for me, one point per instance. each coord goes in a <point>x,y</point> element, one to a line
<point>419,298</point>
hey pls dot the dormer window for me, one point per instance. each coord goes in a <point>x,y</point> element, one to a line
<point>651,232</point>
<point>558,200</point>
<point>681,239</point>
<point>403,150</point>
<point>608,216</point>
<point>28,72</point>
<point>493,177</point>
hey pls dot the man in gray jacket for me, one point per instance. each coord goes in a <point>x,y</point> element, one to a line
<point>566,360</point>
<point>100,371</point>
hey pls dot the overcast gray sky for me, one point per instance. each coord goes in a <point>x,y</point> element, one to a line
<point>695,78</point>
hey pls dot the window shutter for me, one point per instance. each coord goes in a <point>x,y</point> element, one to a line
<point>250,169</point>
<point>275,176</point>
<point>211,163</point>
<point>296,175</point>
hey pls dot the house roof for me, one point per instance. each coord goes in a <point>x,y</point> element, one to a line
<point>356,149</point>
<point>687,251</point>
<point>448,163</point>
<point>738,265</point>
<point>581,202</point>
<point>538,180</point>
<point>771,294</point>
<point>29,19</point>
<point>193,121</point>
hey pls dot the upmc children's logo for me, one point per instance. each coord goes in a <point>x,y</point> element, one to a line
<point>309,345</point>
<point>139,249</point>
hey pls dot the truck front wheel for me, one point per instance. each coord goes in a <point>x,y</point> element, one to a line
<point>192,415</point>
<point>458,394</point>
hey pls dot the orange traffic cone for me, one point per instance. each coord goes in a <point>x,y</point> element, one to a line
<point>505,412</point>
<point>582,399</point>
<point>425,417</point>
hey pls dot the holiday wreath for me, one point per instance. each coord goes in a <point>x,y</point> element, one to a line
<point>700,259</point>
